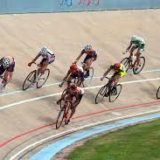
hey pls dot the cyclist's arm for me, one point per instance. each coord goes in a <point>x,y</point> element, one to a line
<point>38,55</point>
<point>106,73</point>
<point>129,46</point>
<point>33,61</point>
<point>7,77</point>
<point>77,59</point>
<point>66,76</point>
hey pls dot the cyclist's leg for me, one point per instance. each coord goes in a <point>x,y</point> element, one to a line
<point>42,66</point>
<point>87,64</point>
<point>7,77</point>
<point>138,54</point>
<point>75,101</point>
<point>116,79</point>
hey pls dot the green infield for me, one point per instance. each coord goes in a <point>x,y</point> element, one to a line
<point>139,142</point>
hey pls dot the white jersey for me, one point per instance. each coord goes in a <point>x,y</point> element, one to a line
<point>46,53</point>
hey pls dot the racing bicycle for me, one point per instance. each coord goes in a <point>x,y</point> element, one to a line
<point>110,90</point>
<point>65,111</point>
<point>158,93</point>
<point>130,64</point>
<point>34,79</point>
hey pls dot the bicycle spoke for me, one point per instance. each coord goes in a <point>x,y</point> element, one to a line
<point>115,92</point>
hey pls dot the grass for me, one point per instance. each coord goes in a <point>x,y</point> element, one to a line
<point>140,142</point>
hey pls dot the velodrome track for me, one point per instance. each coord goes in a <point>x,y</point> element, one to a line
<point>27,117</point>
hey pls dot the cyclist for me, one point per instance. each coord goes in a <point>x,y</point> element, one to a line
<point>119,72</point>
<point>75,71</point>
<point>7,65</point>
<point>47,58</point>
<point>136,43</point>
<point>91,56</point>
<point>75,94</point>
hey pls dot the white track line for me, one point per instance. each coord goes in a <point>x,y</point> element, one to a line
<point>56,83</point>
<point>57,94</point>
<point>77,129</point>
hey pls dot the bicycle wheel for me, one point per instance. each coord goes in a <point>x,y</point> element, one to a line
<point>137,70</point>
<point>62,101</point>
<point>158,93</point>
<point>114,93</point>
<point>68,112</point>
<point>43,78</point>
<point>29,80</point>
<point>88,80</point>
<point>60,118</point>
<point>101,93</point>
<point>126,63</point>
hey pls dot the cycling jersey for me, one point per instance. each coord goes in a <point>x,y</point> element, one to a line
<point>77,92</point>
<point>50,57</point>
<point>139,43</point>
<point>121,71</point>
<point>78,73</point>
<point>9,69</point>
<point>89,54</point>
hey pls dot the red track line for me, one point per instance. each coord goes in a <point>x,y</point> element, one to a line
<point>77,117</point>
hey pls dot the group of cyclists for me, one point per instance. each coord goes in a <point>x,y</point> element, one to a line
<point>74,89</point>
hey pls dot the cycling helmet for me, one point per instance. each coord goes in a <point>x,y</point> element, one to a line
<point>133,38</point>
<point>116,66</point>
<point>73,67</point>
<point>87,47</point>
<point>44,51</point>
<point>5,62</point>
<point>73,86</point>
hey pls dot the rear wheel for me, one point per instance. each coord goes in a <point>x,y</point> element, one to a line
<point>29,80</point>
<point>101,93</point>
<point>126,63</point>
<point>139,68</point>
<point>115,92</point>
<point>158,93</point>
<point>43,78</point>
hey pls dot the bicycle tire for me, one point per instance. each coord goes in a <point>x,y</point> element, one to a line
<point>126,63</point>
<point>89,79</point>
<point>38,83</point>
<point>68,112</point>
<point>63,93</point>
<point>113,97</point>
<point>141,67</point>
<point>101,93</point>
<point>60,118</point>
<point>24,86</point>
<point>158,93</point>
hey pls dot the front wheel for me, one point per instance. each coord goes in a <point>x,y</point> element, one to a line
<point>43,78</point>
<point>101,93</point>
<point>29,80</point>
<point>115,92</point>
<point>158,93</point>
<point>60,118</point>
<point>139,68</point>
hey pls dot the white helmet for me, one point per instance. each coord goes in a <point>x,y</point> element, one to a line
<point>87,47</point>
<point>44,51</point>
<point>5,62</point>
<point>133,38</point>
